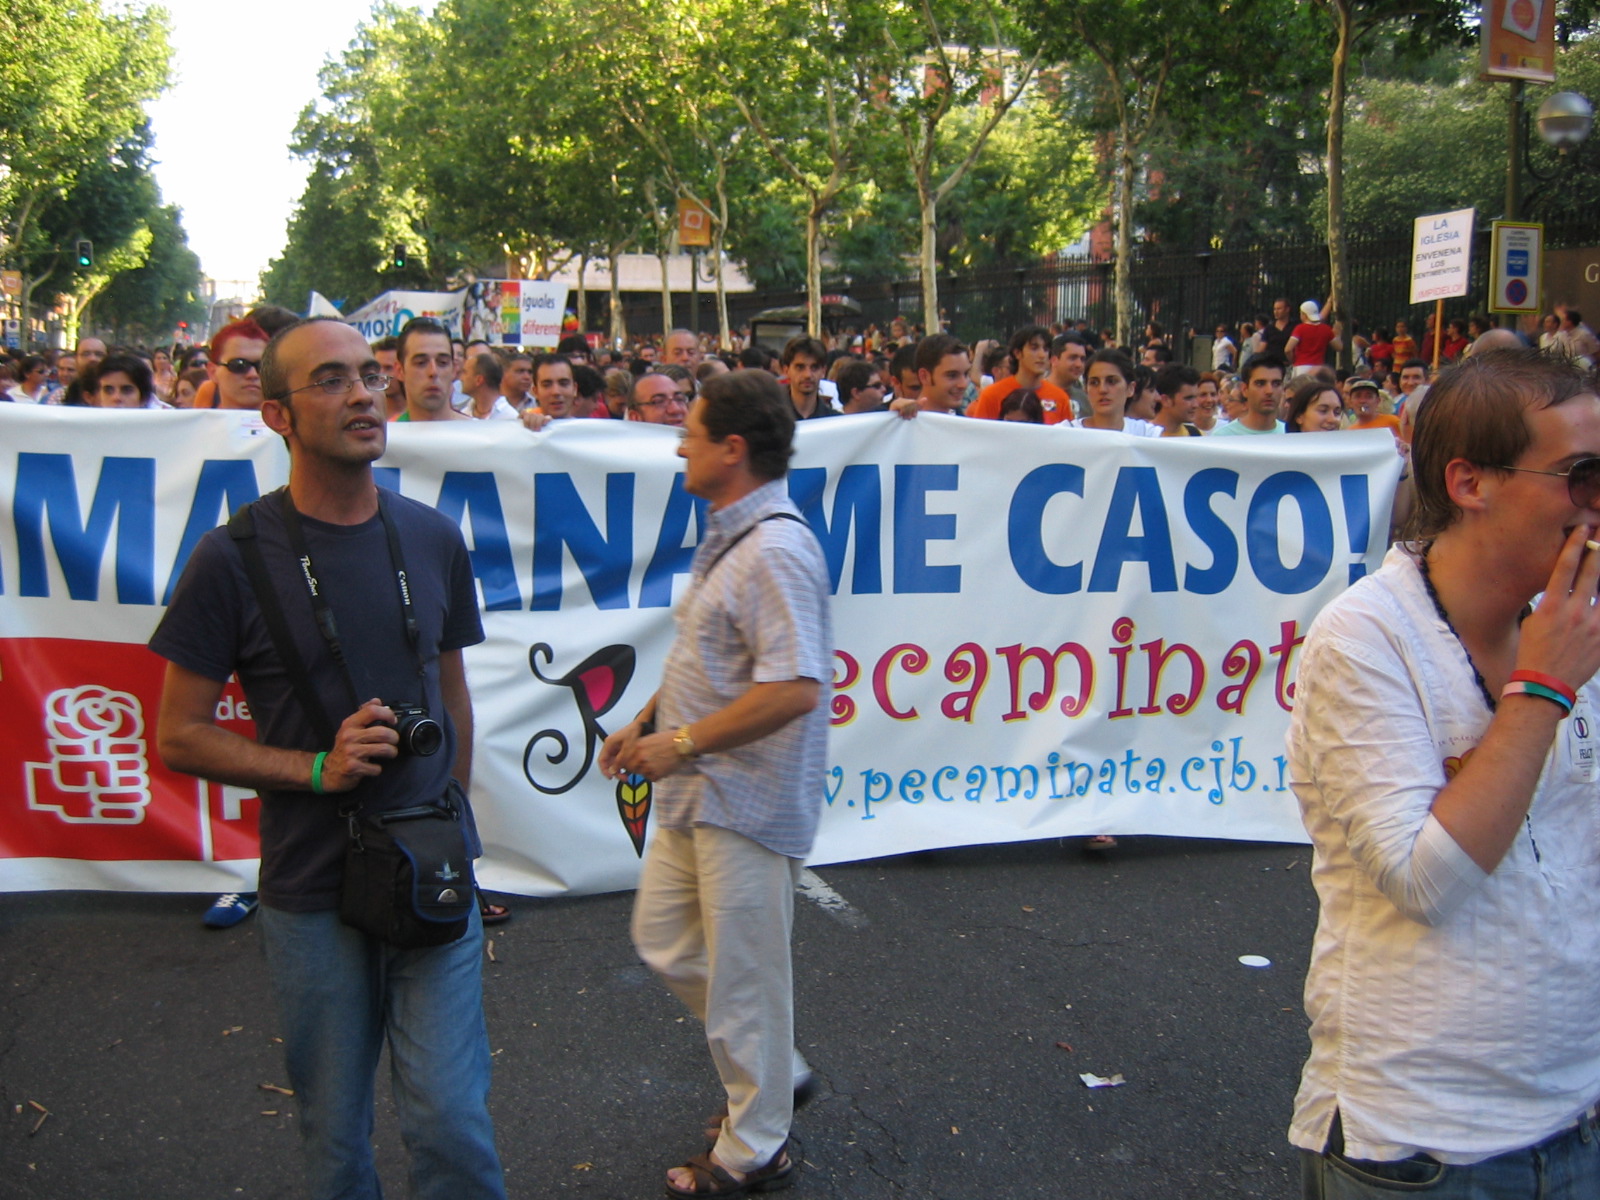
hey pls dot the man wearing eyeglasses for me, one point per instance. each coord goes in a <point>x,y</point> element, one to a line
<point>657,400</point>
<point>235,365</point>
<point>344,995</point>
<point>1443,749</point>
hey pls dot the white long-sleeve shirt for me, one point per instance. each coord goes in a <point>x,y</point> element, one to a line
<point>1454,1013</point>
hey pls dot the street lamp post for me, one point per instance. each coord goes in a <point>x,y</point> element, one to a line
<point>1564,121</point>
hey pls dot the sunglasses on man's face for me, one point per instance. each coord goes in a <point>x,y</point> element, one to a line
<point>242,366</point>
<point>1583,481</point>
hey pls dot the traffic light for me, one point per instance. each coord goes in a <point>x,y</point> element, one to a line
<point>399,256</point>
<point>85,252</point>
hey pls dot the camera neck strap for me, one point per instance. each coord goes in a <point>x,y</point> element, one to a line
<point>326,624</point>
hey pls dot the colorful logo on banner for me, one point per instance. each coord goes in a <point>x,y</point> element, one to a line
<point>87,782</point>
<point>596,684</point>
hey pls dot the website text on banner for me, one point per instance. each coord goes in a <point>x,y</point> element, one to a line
<point>1040,633</point>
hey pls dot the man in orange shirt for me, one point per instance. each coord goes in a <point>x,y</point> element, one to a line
<point>1365,398</point>
<point>1030,350</point>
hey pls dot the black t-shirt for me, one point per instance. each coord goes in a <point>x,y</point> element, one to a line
<point>214,628</point>
<point>1275,340</point>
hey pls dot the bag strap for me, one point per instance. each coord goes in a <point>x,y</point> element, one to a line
<point>746,532</point>
<point>242,529</point>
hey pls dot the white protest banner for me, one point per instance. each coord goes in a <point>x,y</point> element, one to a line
<point>512,312</point>
<point>387,314</point>
<point>1040,632</point>
<point>1441,256</point>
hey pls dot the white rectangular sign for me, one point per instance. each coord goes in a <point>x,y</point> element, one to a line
<point>1516,267</point>
<point>1441,256</point>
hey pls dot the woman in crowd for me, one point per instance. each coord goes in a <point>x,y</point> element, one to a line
<point>121,381</point>
<point>165,378</point>
<point>1022,405</point>
<point>1208,406</point>
<point>187,386</point>
<point>1314,407</point>
<point>1109,380</point>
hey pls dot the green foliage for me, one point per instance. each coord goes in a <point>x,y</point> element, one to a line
<point>145,304</point>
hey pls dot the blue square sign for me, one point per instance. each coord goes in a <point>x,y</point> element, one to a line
<point>1516,262</point>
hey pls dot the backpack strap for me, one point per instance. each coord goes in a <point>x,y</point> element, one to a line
<point>723,553</point>
<point>242,529</point>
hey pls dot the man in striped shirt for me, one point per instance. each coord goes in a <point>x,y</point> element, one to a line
<point>736,740</point>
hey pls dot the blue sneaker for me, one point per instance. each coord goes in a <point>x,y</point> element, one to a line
<point>229,909</point>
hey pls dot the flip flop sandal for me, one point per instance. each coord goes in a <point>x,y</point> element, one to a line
<point>711,1179</point>
<point>804,1093</point>
<point>492,914</point>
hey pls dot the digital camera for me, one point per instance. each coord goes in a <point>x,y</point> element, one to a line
<point>419,733</point>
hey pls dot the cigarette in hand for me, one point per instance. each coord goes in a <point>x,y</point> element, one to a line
<point>1592,545</point>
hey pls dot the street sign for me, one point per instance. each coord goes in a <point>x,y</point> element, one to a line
<point>1441,256</point>
<point>1516,267</point>
<point>13,334</point>
<point>694,223</point>
<point>1519,40</point>
<point>11,283</point>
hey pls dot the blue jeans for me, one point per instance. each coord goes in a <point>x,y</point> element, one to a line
<point>1563,1167</point>
<point>339,994</point>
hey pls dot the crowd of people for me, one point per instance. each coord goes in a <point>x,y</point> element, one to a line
<point>1442,745</point>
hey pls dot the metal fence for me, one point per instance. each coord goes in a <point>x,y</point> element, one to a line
<point>1179,289</point>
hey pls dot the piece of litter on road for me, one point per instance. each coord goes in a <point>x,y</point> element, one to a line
<point>272,1087</point>
<point>36,1105</point>
<point>954,1129</point>
<point>583,1166</point>
<point>1027,908</point>
<point>1064,1046</point>
<point>269,1112</point>
<point>1099,1081</point>
<point>232,1030</point>
<point>489,950</point>
<point>43,1117</point>
<point>1254,960</point>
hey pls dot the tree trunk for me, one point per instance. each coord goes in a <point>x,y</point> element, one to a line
<point>1124,281</point>
<point>719,236</point>
<point>930,260</point>
<point>814,269</point>
<point>619,324</point>
<point>666,292</point>
<point>1338,279</point>
<point>583,295</point>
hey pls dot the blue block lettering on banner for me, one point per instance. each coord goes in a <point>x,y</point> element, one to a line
<point>1138,491</point>
<point>225,486</point>
<point>125,491</point>
<point>672,556</point>
<point>1025,528</point>
<point>1212,530</point>
<point>1261,533</point>
<point>915,527</point>
<point>473,495</point>
<point>857,505</point>
<point>560,519</point>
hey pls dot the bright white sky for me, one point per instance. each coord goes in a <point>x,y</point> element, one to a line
<point>242,74</point>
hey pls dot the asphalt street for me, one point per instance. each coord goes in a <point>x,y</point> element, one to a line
<point>949,1000</point>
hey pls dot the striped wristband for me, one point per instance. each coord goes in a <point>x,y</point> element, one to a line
<point>1521,687</point>
<point>1544,680</point>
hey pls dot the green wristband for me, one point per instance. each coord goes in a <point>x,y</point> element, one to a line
<point>316,773</point>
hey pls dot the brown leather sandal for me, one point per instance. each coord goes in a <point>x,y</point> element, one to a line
<point>712,1179</point>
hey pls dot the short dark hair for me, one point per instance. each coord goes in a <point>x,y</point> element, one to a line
<point>1116,358</point>
<point>1414,362</point>
<point>754,358</point>
<point>1263,362</point>
<point>387,343</point>
<point>755,406</point>
<point>853,376</point>
<point>1070,338</point>
<point>1163,354</point>
<point>424,325</point>
<point>273,318</point>
<point>809,346</point>
<point>1026,336</point>
<point>574,343</point>
<point>131,365</point>
<point>931,351</point>
<point>589,382</point>
<point>1173,377</point>
<point>488,366</point>
<point>552,360</point>
<point>905,359</point>
<point>1026,401</point>
<point>274,375</point>
<point>1478,411</point>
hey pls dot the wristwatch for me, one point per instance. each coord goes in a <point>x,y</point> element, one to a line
<point>683,743</point>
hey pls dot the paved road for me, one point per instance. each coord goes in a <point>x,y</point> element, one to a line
<point>936,1006</point>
